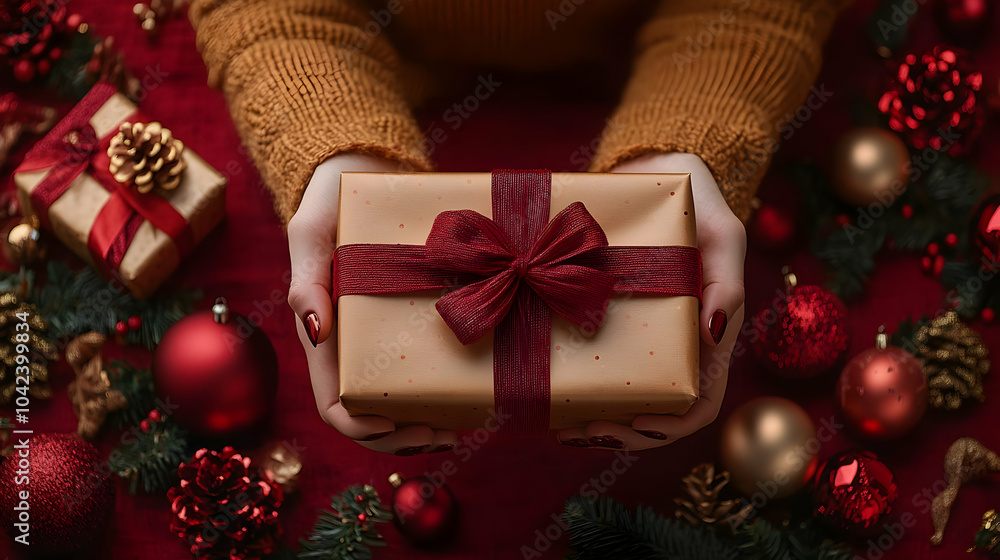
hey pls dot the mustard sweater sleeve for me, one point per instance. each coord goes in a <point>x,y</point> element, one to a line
<point>305,80</point>
<point>720,79</point>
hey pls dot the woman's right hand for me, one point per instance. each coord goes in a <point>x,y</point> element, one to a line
<point>312,234</point>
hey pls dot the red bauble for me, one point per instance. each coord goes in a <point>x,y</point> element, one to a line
<point>424,511</point>
<point>883,391</point>
<point>772,228</point>
<point>801,333</point>
<point>219,369</point>
<point>985,229</point>
<point>70,499</point>
<point>854,491</point>
<point>963,22</point>
<point>933,92</point>
<point>223,508</point>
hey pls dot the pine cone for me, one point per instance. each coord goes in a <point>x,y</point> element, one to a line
<point>40,350</point>
<point>148,155</point>
<point>224,509</point>
<point>955,361</point>
<point>701,504</point>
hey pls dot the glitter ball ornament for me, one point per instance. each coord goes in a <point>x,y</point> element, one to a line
<point>802,333</point>
<point>933,102</point>
<point>883,391</point>
<point>70,499</point>
<point>854,491</point>
<point>223,508</point>
<point>424,511</point>
<point>768,445</point>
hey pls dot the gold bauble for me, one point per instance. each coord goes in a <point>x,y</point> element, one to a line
<point>769,447</point>
<point>24,244</point>
<point>869,165</point>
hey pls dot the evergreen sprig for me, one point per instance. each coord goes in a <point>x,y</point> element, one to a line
<point>150,460</point>
<point>136,385</point>
<point>605,529</point>
<point>75,302</point>
<point>339,534</point>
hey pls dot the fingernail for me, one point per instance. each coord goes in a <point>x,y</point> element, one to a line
<point>575,442</point>
<point>311,321</point>
<point>652,434</point>
<point>717,325</point>
<point>374,437</point>
<point>442,448</point>
<point>407,451</point>
<point>607,441</point>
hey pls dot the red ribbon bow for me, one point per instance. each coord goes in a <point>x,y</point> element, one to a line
<point>464,241</point>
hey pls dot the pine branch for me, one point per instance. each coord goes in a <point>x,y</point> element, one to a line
<point>604,529</point>
<point>348,530</point>
<point>150,460</point>
<point>69,75</point>
<point>906,332</point>
<point>761,540</point>
<point>136,385</point>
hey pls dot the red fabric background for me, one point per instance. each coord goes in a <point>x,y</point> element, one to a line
<point>510,490</point>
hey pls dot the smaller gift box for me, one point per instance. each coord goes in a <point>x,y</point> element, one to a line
<point>109,210</point>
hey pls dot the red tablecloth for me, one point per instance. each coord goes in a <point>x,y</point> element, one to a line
<point>510,490</point>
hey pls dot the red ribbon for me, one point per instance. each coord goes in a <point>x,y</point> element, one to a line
<point>511,274</point>
<point>72,148</point>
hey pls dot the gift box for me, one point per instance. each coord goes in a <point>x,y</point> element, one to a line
<point>133,230</point>
<point>523,300</point>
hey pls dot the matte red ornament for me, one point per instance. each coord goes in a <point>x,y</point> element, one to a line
<point>219,369</point>
<point>70,500</point>
<point>772,228</point>
<point>801,333</point>
<point>424,511</point>
<point>854,491</point>
<point>883,391</point>
<point>963,22</point>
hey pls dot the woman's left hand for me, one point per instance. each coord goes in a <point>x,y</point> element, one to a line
<point>722,240</point>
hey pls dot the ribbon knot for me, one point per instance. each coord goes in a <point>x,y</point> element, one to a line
<point>466,242</point>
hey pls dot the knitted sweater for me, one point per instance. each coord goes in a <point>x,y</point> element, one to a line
<point>308,79</point>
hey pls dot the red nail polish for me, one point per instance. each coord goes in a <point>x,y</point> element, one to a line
<point>652,434</point>
<point>407,451</point>
<point>442,448</point>
<point>311,322</point>
<point>575,442</point>
<point>374,437</point>
<point>717,325</point>
<point>607,441</point>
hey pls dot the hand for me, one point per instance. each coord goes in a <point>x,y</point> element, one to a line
<point>312,232</point>
<point>722,240</point>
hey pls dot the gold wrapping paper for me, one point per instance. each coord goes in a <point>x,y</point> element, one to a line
<point>398,359</point>
<point>152,256</point>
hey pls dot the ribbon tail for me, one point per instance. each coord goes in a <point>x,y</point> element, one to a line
<point>522,345</point>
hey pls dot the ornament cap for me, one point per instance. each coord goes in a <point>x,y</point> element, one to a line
<point>396,480</point>
<point>220,311</point>
<point>881,339</point>
<point>790,279</point>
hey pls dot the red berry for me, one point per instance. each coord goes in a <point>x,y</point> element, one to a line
<point>938,265</point>
<point>933,249</point>
<point>359,498</point>
<point>907,211</point>
<point>55,53</point>
<point>362,517</point>
<point>155,416</point>
<point>74,21</point>
<point>843,219</point>
<point>121,328</point>
<point>24,71</point>
<point>145,426</point>
<point>134,322</point>
<point>44,66</point>
<point>987,315</point>
<point>925,263</point>
<point>951,240</point>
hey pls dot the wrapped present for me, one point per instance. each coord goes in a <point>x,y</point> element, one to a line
<point>520,301</point>
<point>120,191</point>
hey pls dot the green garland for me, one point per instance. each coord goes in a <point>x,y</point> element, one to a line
<point>339,534</point>
<point>150,460</point>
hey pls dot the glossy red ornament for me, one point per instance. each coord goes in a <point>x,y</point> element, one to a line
<point>854,491</point>
<point>963,22</point>
<point>772,228</point>
<point>883,391</point>
<point>801,333</point>
<point>70,500</point>
<point>219,369</point>
<point>985,229</point>
<point>931,93</point>
<point>424,511</point>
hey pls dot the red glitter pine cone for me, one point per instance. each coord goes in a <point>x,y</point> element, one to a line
<point>224,509</point>
<point>933,102</point>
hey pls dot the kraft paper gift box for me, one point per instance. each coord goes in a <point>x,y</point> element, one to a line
<point>399,359</point>
<point>145,255</point>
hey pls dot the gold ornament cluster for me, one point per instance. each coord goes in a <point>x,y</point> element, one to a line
<point>147,155</point>
<point>955,361</point>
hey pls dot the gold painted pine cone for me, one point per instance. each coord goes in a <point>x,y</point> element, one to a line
<point>147,155</point>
